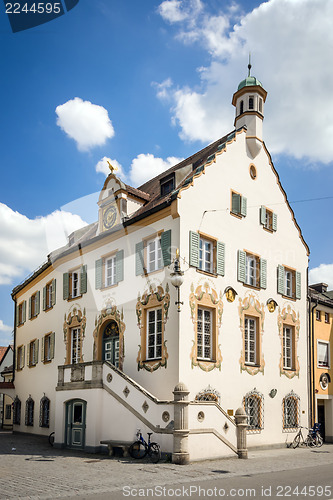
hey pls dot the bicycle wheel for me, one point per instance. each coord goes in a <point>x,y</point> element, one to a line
<point>296,441</point>
<point>319,440</point>
<point>154,452</point>
<point>137,450</point>
<point>51,438</point>
<point>310,441</point>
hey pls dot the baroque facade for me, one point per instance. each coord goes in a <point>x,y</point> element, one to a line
<point>100,344</point>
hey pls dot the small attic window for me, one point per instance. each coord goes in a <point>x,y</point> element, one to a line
<point>251,102</point>
<point>167,184</point>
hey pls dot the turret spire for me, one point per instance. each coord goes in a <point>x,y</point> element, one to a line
<point>249,65</point>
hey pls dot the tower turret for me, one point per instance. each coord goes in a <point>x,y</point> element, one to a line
<point>249,103</point>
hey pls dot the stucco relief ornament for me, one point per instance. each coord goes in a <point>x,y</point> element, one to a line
<point>75,319</point>
<point>251,306</point>
<point>288,317</point>
<point>206,295</point>
<point>109,313</point>
<point>155,296</point>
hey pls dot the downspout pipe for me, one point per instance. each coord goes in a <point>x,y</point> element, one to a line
<point>14,354</point>
<point>312,366</point>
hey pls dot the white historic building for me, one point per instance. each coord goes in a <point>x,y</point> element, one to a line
<point>100,343</point>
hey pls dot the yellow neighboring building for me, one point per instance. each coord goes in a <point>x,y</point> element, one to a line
<point>321,372</point>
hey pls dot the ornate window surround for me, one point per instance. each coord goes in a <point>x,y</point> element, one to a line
<point>109,313</point>
<point>206,297</point>
<point>75,319</point>
<point>288,317</point>
<point>44,412</point>
<point>149,300</point>
<point>29,411</point>
<point>250,306</point>
<point>17,411</point>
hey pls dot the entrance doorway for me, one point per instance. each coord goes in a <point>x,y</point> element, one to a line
<point>111,343</point>
<point>321,418</point>
<point>75,423</point>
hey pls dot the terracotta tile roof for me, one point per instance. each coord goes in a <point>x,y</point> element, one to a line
<point>152,187</point>
<point>3,351</point>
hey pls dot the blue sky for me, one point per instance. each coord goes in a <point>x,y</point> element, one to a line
<point>145,84</point>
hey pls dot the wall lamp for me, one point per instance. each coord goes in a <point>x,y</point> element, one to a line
<point>177,279</point>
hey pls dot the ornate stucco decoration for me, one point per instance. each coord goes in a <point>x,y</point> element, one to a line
<point>107,314</point>
<point>75,319</point>
<point>154,297</point>
<point>206,296</point>
<point>288,317</point>
<point>250,306</point>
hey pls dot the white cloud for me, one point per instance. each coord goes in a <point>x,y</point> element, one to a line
<point>290,42</point>
<point>5,328</point>
<point>25,243</point>
<point>322,274</point>
<point>103,167</point>
<point>147,166</point>
<point>175,11</point>
<point>88,124</point>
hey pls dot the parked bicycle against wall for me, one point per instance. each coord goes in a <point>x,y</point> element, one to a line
<point>140,448</point>
<point>312,439</point>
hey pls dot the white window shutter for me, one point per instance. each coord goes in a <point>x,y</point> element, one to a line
<point>280,279</point>
<point>263,215</point>
<point>194,249</point>
<point>274,222</point>
<point>298,285</point>
<point>263,273</point>
<point>243,206</point>
<point>241,266</point>
<point>220,258</point>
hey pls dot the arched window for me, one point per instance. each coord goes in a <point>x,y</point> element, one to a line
<point>251,102</point>
<point>44,412</point>
<point>254,407</point>
<point>111,343</point>
<point>29,411</point>
<point>208,394</point>
<point>290,405</point>
<point>241,108</point>
<point>17,411</point>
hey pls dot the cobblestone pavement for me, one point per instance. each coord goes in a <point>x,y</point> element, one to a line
<point>30,468</point>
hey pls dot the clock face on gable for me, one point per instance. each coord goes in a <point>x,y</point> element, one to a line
<point>110,217</point>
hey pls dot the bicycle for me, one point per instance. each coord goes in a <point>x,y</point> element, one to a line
<point>140,448</point>
<point>312,439</point>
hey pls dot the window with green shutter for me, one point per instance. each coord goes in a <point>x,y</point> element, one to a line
<point>238,204</point>
<point>207,254</point>
<point>153,254</point>
<point>268,219</point>
<point>75,283</point>
<point>252,269</point>
<point>49,295</point>
<point>21,313</point>
<point>289,282</point>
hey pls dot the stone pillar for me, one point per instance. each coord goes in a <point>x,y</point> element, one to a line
<point>180,453</point>
<point>241,425</point>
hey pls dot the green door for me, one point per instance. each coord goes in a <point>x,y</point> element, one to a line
<point>111,343</point>
<point>75,423</point>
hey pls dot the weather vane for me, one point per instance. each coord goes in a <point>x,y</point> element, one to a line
<point>249,65</point>
<point>112,168</point>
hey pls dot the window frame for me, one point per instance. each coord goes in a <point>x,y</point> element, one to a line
<point>211,356</point>
<point>48,295</point>
<point>77,348</point>
<point>247,340</point>
<point>240,211</point>
<point>327,344</point>
<point>20,353</point>
<point>113,281</point>
<point>34,308</point>
<point>21,313</point>
<point>33,352</point>
<point>287,427</point>
<point>292,347</point>
<point>318,315</point>
<point>48,342</point>
<point>165,184</point>
<point>156,345</point>
<point>295,278</point>
<point>327,317</point>
<point>29,412</point>
<point>258,397</point>
<point>155,241</point>
<point>203,252</point>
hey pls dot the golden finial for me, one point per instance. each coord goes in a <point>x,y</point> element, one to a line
<point>111,167</point>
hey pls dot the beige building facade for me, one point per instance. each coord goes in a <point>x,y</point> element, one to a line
<point>102,336</point>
